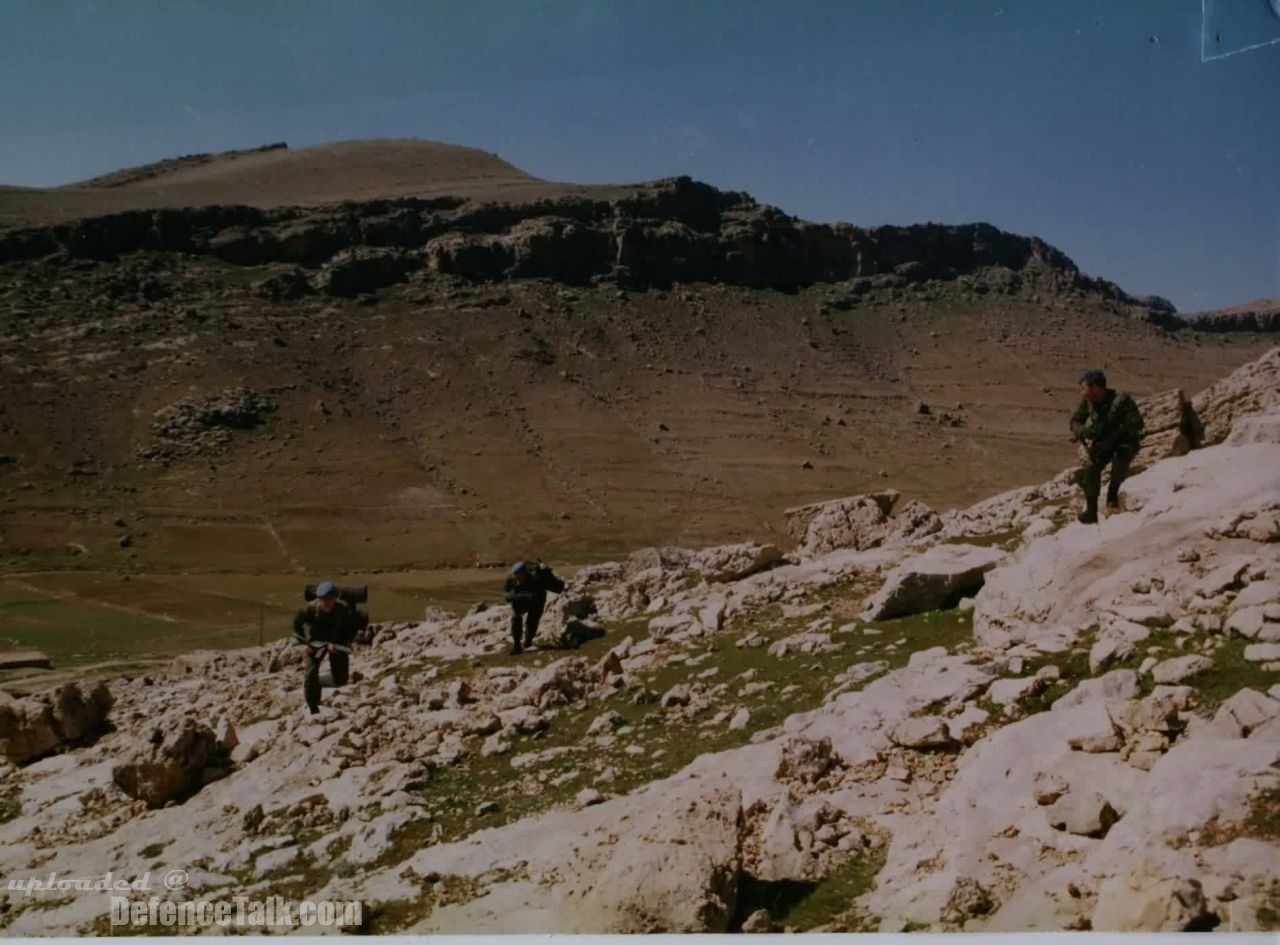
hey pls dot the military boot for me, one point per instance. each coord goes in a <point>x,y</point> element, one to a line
<point>1113,500</point>
<point>1089,515</point>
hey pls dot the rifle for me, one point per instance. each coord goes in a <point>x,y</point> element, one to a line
<point>316,648</point>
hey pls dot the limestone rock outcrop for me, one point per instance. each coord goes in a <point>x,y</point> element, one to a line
<point>40,725</point>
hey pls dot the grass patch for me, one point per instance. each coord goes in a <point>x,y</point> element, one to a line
<point>1263,822</point>
<point>153,850</point>
<point>662,742</point>
<point>10,808</point>
<point>1269,912</point>
<point>1073,667</point>
<point>87,617</point>
<point>1231,672</point>
<point>804,905</point>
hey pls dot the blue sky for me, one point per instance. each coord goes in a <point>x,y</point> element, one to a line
<point>1093,124</point>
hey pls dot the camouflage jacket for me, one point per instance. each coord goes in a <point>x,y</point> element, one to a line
<point>1113,421</point>
<point>337,626</point>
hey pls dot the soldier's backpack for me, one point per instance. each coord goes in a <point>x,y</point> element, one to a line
<point>547,578</point>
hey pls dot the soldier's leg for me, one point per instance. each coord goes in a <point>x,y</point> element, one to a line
<point>516,614</point>
<point>1090,479</point>
<point>340,665</point>
<point>311,684</point>
<point>1119,472</point>
<point>531,622</point>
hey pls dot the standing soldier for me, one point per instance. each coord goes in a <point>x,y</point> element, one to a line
<point>332,626</point>
<point>1109,426</point>
<point>526,592</point>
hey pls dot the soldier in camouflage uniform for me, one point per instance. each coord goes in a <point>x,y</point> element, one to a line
<point>1109,426</point>
<point>325,627</point>
<point>526,591</point>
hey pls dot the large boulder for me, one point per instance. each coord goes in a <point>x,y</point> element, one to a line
<point>1149,898</point>
<point>1171,428</point>
<point>556,682</point>
<point>1250,389</point>
<point>857,522</point>
<point>1057,582</point>
<point>45,723</point>
<point>936,579</point>
<point>1256,428</point>
<point>733,562</point>
<point>170,765</point>
<point>666,859</point>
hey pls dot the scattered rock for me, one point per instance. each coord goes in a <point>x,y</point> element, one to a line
<point>922,733</point>
<point>675,697</point>
<point>1086,815</point>
<point>1180,668</point>
<point>934,580</point>
<point>735,562</point>
<point>805,760</point>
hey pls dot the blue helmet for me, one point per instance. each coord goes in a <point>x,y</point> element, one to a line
<point>1094,376</point>
<point>326,589</point>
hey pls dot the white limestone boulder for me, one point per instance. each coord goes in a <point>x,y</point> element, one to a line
<point>938,578</point>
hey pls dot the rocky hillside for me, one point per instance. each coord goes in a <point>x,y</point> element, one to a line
<point>991,718</point>
<point>1260,315</point>
<point>460,362</point>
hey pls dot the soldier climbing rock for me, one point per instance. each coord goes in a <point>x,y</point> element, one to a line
<point>326,627</point>
<point>1108,425</point>
<point>526,591</point>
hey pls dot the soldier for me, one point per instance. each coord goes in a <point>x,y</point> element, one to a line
<point>526,592</point>
<point>1109,426</point>
<point>331,623</point>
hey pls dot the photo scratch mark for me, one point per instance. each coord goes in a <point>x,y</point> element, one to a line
<point>1204,33</point>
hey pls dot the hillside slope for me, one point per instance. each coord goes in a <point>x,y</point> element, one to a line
<point>1061,727</point>
<point>422,381</point>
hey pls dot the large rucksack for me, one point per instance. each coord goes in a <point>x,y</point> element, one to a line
<point>548,581</point>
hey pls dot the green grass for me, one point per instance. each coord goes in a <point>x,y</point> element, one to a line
<point>803,905</point>
<point>451,794</point>
<point>10,808</point>
<point>86,617</point>
<point>74,632</point>
<point>1231,672</point>
<point>1263,822</point>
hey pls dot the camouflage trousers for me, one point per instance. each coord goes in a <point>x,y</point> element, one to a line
<point>1093,462</point>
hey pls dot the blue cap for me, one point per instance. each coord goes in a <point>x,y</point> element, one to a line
<point>326,589</point>
<point>1094,376</point>
<point>517,567</point>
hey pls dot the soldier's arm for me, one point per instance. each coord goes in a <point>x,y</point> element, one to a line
<point>1133,422</point>
<point>1080,421</point>
<point>509,591</point>
<point>301,619</point>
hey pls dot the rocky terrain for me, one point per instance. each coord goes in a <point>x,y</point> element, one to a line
<point>987,718</point>
<point>1261,315</point>
<point>379,355</point>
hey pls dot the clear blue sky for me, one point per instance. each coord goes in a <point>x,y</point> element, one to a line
<point>1058,118</point>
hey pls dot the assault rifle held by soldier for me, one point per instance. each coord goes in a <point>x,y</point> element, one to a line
<point>326,626</point>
